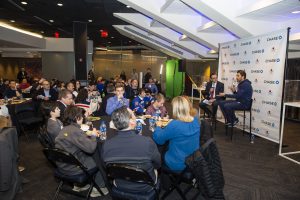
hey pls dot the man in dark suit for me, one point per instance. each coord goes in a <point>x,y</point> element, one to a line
<point>22,75</point>
<point>65,99</point>
<point>46,93</point>
<point>213,88</point>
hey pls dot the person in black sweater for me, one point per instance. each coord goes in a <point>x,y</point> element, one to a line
<point>110,93</point>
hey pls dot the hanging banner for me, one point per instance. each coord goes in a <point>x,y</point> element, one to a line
<point>263,59</point>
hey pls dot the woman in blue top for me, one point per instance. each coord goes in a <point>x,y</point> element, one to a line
<point>183,134</point>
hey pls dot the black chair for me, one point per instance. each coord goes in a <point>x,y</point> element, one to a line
<point>27,118</point>
<point>175,179</point>
<point>44,138</point>
<point>131,173</point>
<point>55,155</point>
<point>249,109</point>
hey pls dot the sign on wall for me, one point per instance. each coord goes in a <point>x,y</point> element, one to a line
<point>263,59</point>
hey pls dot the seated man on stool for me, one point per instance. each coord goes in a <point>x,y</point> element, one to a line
<point>213,88</point>
<point>243,96</point>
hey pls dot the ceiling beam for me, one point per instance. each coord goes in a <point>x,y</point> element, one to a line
<point>166,5</point>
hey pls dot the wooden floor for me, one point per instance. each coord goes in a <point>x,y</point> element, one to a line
<point>252,171</point>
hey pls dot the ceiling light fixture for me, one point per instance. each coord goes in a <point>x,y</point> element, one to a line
<point>24,2</point>
<point>296,12</point>
<point>19,30</point>
<point>112,37</point>
<point>42,31</point>
<point>128,7</point>
<point>51,20</point>
<point>90,20</point>
<point>60,4</point>
<point>12,21</point>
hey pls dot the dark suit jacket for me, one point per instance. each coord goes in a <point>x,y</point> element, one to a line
<point>219,89</point>
<point>52,93</point>
<point>62,109</point>
<point>21,76</point>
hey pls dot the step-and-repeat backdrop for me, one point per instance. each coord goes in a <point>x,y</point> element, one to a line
<point>263,59</point>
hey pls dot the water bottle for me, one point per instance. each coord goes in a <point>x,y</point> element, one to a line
<point>252,138</point>
<point>5,100</point>
<point>152,124</point>
<point>157,114</point>
<point>139,127</point>
<point>103,130</point>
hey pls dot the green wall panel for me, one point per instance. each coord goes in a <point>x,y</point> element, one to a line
<point>174,81</point>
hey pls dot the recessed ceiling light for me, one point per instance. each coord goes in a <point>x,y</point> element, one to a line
<point>51,20</point>
<point>296,12</point>
<point>109,42</point>
<point>101,30</point>
<point>42,31</point>
<point>90,20</point>
<point>12,21</point>
<point>24,2</point>
<point>129,41</point>
<point>60,4</point>
<point>112,37</point>
<point>128,7</point>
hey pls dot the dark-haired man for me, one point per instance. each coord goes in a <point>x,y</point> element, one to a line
<point>65,98</point>
<point>12,91</point>
<point>138,103</point>
<point>129,147</point>
<point>118,100</point>
<point>213,88</point>
<point>243,95</point>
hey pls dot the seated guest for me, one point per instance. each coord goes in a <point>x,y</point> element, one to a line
<point>152,86</point>
<point>60,86</point>
<point>4,84</point>
<point>132,89</point>
<point>65,99</point>
<point>52,113</point>
<point>82,101</point>
<point>73,140</point>
<point>182,133</point>
<point>212,90</point>
<point>12,91</point>
<point>129,146</point>
<point>78,86</point>
<point>242,94</point>
<point>110,88</point>
<point>138,103</point>
<point>100,85</point>
<point>117,101</point>
<point>46,93</point>
<point>70,86</point>
<point>148,99</point>
<point>24,84</point>
<point>157,107</point>
<point>3,109</point>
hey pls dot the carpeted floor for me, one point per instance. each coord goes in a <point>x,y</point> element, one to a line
<point>252,171</point>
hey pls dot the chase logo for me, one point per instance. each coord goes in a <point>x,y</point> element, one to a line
<point>257,110</point>
<point>272,60</point>
<point>235,54</point>
<point>246,43</point>
<point>225,47</point>
<point>258,71</point>
<point>272,103</point>
<point>225,63</point>
<point>258,51</point>
<point>258,40</point>
<point>224,79</point>
<point>268,123</point>
<point>257,91</point>
<point>274,38</point>
<point>245,62</point>
<point>233,71</point>
<point>271,82</point>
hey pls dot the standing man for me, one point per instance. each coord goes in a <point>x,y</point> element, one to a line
<point>117,101</point>
<point>242,94</point>
<point>213,88</point>
<point>148,75</point>
<point>91,75</point>
<point>22,75</point>
<point>134,74</point>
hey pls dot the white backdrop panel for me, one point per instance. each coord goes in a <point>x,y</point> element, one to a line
<point>263,59</point>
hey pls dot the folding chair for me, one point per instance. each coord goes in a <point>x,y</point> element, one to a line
<point>55,155</point>
<point>131,173</point>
